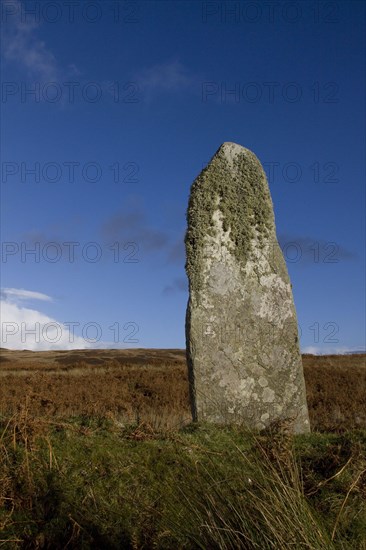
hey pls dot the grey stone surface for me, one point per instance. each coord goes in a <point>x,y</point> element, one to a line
<point>241,329</point>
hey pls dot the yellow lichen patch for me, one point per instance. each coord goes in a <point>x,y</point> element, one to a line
<point>234,182</point>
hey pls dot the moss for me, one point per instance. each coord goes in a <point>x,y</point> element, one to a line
<point>244,202</point>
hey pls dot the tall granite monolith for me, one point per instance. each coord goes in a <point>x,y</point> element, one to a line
<point>244,361</point>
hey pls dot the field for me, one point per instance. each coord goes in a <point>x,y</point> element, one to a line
<point>97,451</point>
<point>151,385</point>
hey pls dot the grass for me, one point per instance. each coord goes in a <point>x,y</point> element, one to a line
<point>97,451</point>
<point>89,483</point>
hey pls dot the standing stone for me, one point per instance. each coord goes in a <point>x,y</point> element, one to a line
<point>243,354</point>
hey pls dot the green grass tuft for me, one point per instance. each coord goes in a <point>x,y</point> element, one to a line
<point>88,483</point>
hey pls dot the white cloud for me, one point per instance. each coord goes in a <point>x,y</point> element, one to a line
<point>21,45</point>
<point>15,294</point>
<point>163,78</point>
<point>318,350</point>
<point>26,328</point>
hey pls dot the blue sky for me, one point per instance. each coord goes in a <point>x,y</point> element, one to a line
<point>111,109</point>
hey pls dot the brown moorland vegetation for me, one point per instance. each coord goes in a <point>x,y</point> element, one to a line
<point>151,385</point>
<point>97,451</point>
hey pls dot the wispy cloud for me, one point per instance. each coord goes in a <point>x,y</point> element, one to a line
<point>309,250</point>
<point>318,350</point>
<point>27,328</point>
<point>176,252</point>
<point>21,45</point>
<point>133,226</point>
<point>180,284</point>
<point>164,78</point>
<point>19,294</point>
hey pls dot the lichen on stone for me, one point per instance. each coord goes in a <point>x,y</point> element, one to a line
<point>238,187</point>
<point>243,356</point>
